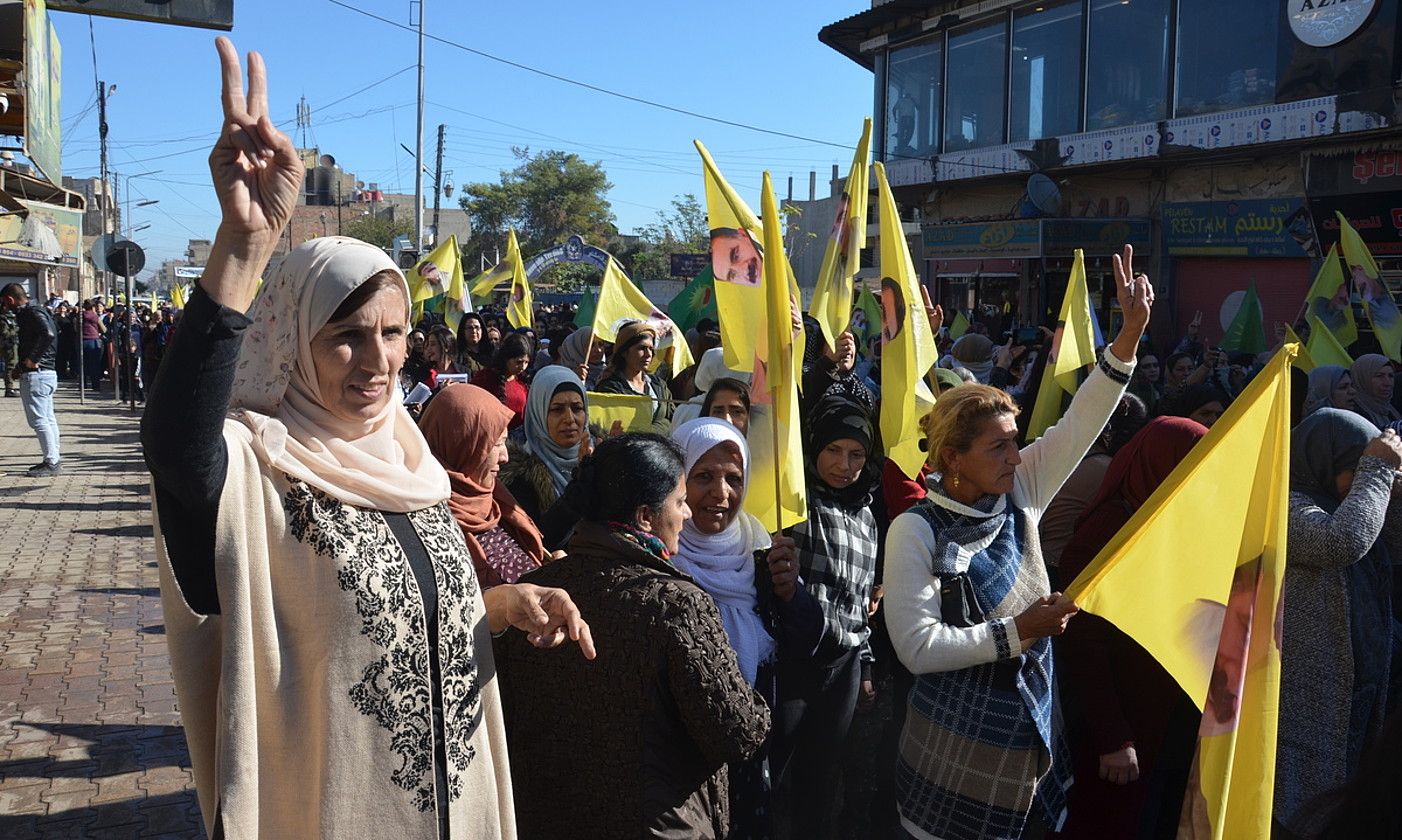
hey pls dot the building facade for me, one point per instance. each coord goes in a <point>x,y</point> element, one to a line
<point>1217,138</point>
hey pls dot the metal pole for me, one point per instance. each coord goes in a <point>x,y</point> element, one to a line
<point>438,183</point>
<point>419,145</point>
<point>130,316</point>
<point>104,278</point>
<point>78,339</point>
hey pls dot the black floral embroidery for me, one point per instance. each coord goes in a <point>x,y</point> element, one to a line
<point>395,690</point>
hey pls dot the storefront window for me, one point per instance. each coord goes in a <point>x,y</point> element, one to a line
<point>1127,67</point>
<point>1219,68</point>
<point>1046,68</point>
<point>1362,62</point>
<point>977,86</point>
<point>914,87</point>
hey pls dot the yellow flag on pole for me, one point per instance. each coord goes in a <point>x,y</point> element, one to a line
<point>634,412</point>
<point>737,260</point>
<point>520,309</point>
<point>177,295</point>
<point>1304,360</point>
<point>1324,347</point>
<point>832,296</point>
<point>1072,349</point>
<point>621,301</point>
<point>907,345</point>
<point>1372,290</point>
<point>777,495</point>
<point>959,325</point>
<point>436,283</point>
<point>1328,300</point>
<point>1209,616</point>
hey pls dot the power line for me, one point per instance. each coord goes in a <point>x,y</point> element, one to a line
<point>587,86</point>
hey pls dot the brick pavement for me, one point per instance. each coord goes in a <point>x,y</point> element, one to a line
<point>90,739</point>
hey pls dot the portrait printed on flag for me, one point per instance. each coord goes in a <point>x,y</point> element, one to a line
<point>892,309</point>
<point>736,257</point>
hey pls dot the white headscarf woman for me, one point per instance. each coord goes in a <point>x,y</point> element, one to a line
<point>717,550</point>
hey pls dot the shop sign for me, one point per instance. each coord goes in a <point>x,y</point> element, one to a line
<point>1258,124</point>
<point>1097,237</point>
<point>42,87</point>
<point>46,234</point>
<point>1325,23</point>
<point>1378,170</point>
<point>1376,216</point>
<point>1008,239</point>
<point>1249,228</point>
<point>688,266</point>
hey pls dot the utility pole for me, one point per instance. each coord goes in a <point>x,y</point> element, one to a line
<point>419,142</point>
<point>107,206</point>
<point>438,183</point>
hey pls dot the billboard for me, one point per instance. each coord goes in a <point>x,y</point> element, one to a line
<point>42,68</point>
<point>208,14</point>
<point>47,234</point>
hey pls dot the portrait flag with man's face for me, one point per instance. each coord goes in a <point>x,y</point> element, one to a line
<point>737,260</point>
<point>908,346</point>
<point>620,302</point>
<point>1329,300</point>
<point>1209,617</point>
<point>832,296</point>
<point>1372,290</point>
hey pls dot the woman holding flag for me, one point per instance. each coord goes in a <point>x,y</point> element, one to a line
<point>633,350</point>
<point>970,610</point>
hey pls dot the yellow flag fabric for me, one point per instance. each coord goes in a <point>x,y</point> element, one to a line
<point>907,345</point>
<point>959,325</point>
<point>436,284</point>
<point>1304,360</point>
<point>777,494</point>
<point>737,259</point>
<point>620,301</point>
<point>520,308</point>
<point>1328,300</point>
<point>1324,348</point>
<point>1195,577</point>
<point>633,411</point>
<point>177,295</point>
<point>1368,283</point>
<point>832,296</point>
<point>1072,349</point>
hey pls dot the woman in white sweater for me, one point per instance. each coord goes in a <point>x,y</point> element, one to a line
<point>970,610</point>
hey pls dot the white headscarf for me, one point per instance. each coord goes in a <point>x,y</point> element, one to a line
<point>723,564</point>
<point>708,370</point>
<point>383,463</point>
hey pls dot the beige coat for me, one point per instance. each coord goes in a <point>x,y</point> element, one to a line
<point>307,701</point>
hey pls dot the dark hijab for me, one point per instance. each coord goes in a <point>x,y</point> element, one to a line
<point>1325,444</point>
<point>837,418</point>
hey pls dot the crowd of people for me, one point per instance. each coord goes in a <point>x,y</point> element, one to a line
<point>479,616</point>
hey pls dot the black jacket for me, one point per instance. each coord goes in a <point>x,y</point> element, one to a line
<point>38,335</point>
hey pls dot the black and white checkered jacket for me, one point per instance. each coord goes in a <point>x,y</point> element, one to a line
<point>837,548</point>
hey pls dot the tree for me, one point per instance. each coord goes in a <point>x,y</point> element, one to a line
<point>546,198</point>
<point>379,231</point>
<point>683,229</point>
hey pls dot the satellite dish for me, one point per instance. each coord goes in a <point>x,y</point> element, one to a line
<point>1044,194</point>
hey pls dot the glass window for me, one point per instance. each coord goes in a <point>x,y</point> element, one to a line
<point>975,106</point>
<point>1363,62</point>
<point>914,86</point>
<point>1046,70</point>
<point>1218,68</point>
<point>1127,66</point>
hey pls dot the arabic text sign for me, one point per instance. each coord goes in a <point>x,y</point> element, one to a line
<point>47,234</point>
<point>1248,228</point>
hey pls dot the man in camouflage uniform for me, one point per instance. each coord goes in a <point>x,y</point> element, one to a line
<point>9,345</point>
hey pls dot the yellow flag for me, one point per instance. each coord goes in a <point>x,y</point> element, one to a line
<point>620,301</point>
<point>832,297</point>
<point>177,295</point>
<point>436,284</point>
<point>633,411</point>
<point>520,309</point>
<point>1209,615</point>
<point>959,325</point>
<point>907,345</point>
<point>1328,300</point>
<point>1072,349</point>
<point>1368,283</point>
<point>777,495</point>
<point>737,259</point>
<point>1324,348</point>
<point>1304,360</point>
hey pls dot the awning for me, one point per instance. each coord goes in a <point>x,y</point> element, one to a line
<point>899,19</point>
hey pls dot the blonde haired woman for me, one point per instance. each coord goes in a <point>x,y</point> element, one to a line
<point>970,610</point>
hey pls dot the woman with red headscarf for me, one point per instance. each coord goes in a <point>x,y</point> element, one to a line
<point>1130,728</point>
<point>465,427</point>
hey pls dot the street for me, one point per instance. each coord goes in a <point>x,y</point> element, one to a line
<point>90,739</point>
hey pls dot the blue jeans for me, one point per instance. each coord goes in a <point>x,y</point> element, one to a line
<point>92,362</point>
<point>36,391</point>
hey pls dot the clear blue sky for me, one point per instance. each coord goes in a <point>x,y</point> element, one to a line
<point>757,63</point>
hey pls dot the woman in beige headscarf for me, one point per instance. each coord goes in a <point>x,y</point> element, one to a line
<point>330,643</point>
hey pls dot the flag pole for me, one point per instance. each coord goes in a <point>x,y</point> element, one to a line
<point>588,354</point>
<point>778,457</point>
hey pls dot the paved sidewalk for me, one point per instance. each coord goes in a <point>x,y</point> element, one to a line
<point>90,740</point>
